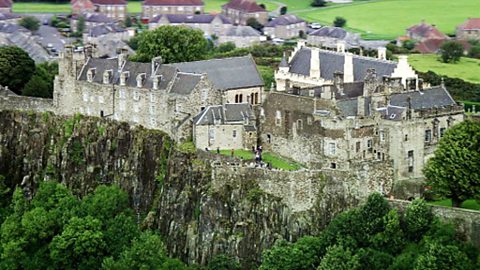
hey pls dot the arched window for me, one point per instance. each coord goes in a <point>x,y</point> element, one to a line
<point>240,98</point>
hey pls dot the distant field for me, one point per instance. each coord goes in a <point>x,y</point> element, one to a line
<point>467,69</point>
<point>388,19</point>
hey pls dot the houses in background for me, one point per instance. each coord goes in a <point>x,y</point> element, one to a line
<point>210,24</point>
<point>469,30</point>
<point>286,26</point>
<point>239,11</point>
<point>6,6</point>
<point>242,36</point>
<point>153,8</point>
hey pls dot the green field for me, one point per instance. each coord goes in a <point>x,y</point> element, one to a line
<point>277,162</point>
<point>468,204</point>
<point>389,18</point>
<point>467,69</point>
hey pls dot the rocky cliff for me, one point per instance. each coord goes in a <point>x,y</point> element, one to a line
<point>201,205</point>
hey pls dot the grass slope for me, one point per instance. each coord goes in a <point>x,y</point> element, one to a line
<point>277,162</point>
<point>467,69</point>
<point>468,204</point>
<point>389,18</point>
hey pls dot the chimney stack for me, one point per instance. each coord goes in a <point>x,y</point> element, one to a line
<point>341,46</point>
<point>382,53</point>
<point>348,68</point>
<point>315,63</point>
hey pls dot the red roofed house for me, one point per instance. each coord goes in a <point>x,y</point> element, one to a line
<point>469,30</point>
<point>239,11</point>
<point>423,31</point>
<point>115,9</point>
<point>6,6</point>
<point>434,45</point>
<point>81,6</point>
<point>152,8</point>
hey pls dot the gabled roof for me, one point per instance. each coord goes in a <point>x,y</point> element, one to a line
<point>194,18</point>
<point>226,73</point>
<point>470,24</point>
<point>82,5</point>
<point>434,45</point>
<point>242,31</point>
<point>392,112</point>
<point>331,62</point>
<point>9,16</point>
<point>5,4</point>
<point>110,2</point>
<point>249,6</point>
<point>429,98</point>
<point>330,31</point>
<point>286,19</point>
<point>94,17</point>
<point>104,29</point>
<point>173,3</point>
<point>427,31</point>
<point>184,83</point>
<point>225,114</point>
<point>11,28</point>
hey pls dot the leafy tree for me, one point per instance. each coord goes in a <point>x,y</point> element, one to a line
<point>474,51</point>
<point>41,83</point>
<point>372,259</point>
<point>318,3</point>
<point>339,22</point>
<point>339,258</point>
<point>173,43</point>
<point>128,22</point>
<point>373,212</point>
<point>392,239</point>
<point>406,259</point>
<point>282,256</point>
<point>16,68</point>
<point>223,262</point>
<point>438,256</point>
<point>254,23</point>
<point>418,219</point>
<point>451,52</point>
<point>283,10</point>
<point>106,203</point>
<point>226,47</point>
<point>408,44</point>
<point>30,22</point>
<point>454,171</point>
<point>80,25</point>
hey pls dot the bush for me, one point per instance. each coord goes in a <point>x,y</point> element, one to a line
<point>339,22</point>
<point>252,22</point>
<point>474,51</point>
<point>30,22</point>
<point>451,52</point>
<point>318,3</point>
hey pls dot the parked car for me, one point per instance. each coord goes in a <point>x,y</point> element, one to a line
<point>315,26</point>
<point>278,41</point>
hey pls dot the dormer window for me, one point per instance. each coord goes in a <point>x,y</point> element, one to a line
<point>141,79</point>
<point>156,81</point>
<point>124,77</point>
<point>91,74</point>
<point>107,75</point>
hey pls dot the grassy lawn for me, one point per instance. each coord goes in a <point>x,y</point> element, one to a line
<point>277,162</point>
<point>389,18</point>
<point>468,204</point>
<point>467,69</point>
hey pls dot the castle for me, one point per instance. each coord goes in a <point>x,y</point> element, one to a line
<point>330,110</point>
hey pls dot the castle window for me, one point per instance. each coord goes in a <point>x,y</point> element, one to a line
<point>332,149</point>
<point>382,135</point>
<point>204,94</point>
<point>234,133</point>
<point>309,120</point>
<point>124,78</point>
<point>152,97</point>
<point>406,137</point>
<point>262,112</point>
<point>121,93</point>
<point>211,134</point>
<point>357,147</point>
<point>102,114</point>
<point>299,124</point>
<point>410,160</point>
<point>256,98</point>
<point>278,118</point>
<point>90,74</point>
<point>269,138</point>
<point>333,165</point>
<point>106,76</point>
<point>369,145</point>
<point>428,135</point>
<point>136,95</point>
<point>442,131</point>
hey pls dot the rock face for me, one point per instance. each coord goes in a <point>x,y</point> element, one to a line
<point>202,206</point>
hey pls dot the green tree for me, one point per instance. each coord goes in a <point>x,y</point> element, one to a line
<point>106,203</point>
<point>30,22</point>
<point>454,171</point>
<point>372,259</point>
<point>283,10</point>
<point>339,22</point>
<point>223,262</point>
<point>451,52</point>
<point>128,22</point>
<point>390,240</point>
<point>80,25</point>
<point>418,218</point>
<point>226,47</point>
<point>318,3</point>
<point>339,258</point>
<point>173,43</point>
<point>41,83</point>
<point>254,23</point>
<point>16,68</point>
<point>474,51</point>
<point>438,256</point>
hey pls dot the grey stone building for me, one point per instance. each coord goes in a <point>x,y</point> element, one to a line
<point>380,112</point>
<point>330,36</point>
<point>286,26</point>
<point>242,36</point>
<point>239,11</point>
<point>153,8</point>
<point>92,20</point>
<point>469,30</point>
<point>210,24</point>
<point>228,126</point>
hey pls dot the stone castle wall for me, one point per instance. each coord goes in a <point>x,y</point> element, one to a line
<point>26,104</point>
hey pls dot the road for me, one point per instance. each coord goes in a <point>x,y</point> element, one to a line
<point>49,37</point>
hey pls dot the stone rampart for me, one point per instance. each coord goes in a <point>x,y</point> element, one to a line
<point>22,103</point>
<point>467,222</point>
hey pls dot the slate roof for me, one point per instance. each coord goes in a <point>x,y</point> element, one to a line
<point>330,31</point>
<point>242,31</point>
<point>11,28</point>
<point>110,2</point>
<point>8,16</point>
<point>225,114</point>
<point>429,98</point>
<point>94,18</point>
<point>349,107</point>
<point>286,19</point>
<point>104,29</point>
<point>186,18</point>
<point>5,4</point>
<point>226,73</point>
<point>427,31</point>
<point>331,62</point>
<point>248,6</point>
<point>393,113</point>
<point>351,90</point>
<point>173,3</point>
<point>184,83</point>
<point>470,24</point>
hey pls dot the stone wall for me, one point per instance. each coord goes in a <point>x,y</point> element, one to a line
<point>467,222</point>
<point>26,103</point>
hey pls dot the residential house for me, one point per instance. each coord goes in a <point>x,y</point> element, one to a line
<point>210,24</point>
<point>469,30</point>
<point>242,36</point>
<point>432,46</point>
<point>6,6</point>
<point>237,77</point>
<point>239,11</point>
<point>91,20</point>
<point>228,126</point>
<point>114,9</point>
<point>421,32</point>
<point>330,36</point>
<point>107,38</point>
<point>153,8</point>
<point>82,6</point>
<point>9,18</point>
<point>285,27</point>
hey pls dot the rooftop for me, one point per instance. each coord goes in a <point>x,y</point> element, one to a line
<point>110,2</point>
<point>471,24</point>
<point>249,6</point>
<point>286,19</point>
<point>184,18</point>
<point>225,114</point>
<point>173,3</point>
